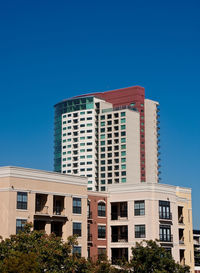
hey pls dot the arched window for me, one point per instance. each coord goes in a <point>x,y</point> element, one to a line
<point>101,209</point>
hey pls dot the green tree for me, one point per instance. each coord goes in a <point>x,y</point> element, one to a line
<point>148,257</point>
<point>35,251</point>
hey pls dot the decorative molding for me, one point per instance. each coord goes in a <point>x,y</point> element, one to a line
<point>47,176</point>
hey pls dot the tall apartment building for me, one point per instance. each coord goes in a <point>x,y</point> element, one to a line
<point>110,137</point>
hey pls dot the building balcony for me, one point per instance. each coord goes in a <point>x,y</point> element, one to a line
<point>116,238</point>
<point>119,216</point>
<point>181,241</point>
<point>89,215</point>
<point>89,239</point>
<point>41,210</point>
<point>58,211</point>
<point>181,220</point>
<point>58,206</point>
<point>166,238</point>
<point>165,216</point>
<point>41,207</point>
<point>119,234</point>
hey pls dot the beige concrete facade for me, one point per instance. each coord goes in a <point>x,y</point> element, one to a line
<point>119,146</point>
<point>151,140</point>
<point>154,220</point>
<point>49,202</point>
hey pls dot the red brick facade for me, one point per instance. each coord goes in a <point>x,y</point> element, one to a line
<point>93,222</point>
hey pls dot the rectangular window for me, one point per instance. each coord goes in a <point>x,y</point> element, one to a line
<point>20,223</point>
<point>101,232</point>
<point>123,140</point>
<point>123,153</point>
<point>77,229</point>
<point>123,146</point>
<point>123,114</point>
<point>139,207</point>
<point>76,251</point>
<point>77,205</point>
<point>123,127</point>
<point>165,233</point>
<point>123,166</point>
<point>102,136</point>
<point>103,123</point>
<point>102,208</point>
<point>123,120</point>
<point>123,180</point>
<point>164,210</point>
<point>102,142</point>
<point>140,231</point>
<point>22,200</point>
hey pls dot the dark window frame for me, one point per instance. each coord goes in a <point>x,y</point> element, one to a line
<point>22,200</point>
<point>101,209</point>
<point>140,231</point>
<point>77,205</point>
<point>101,232</point>
<point>139,209</point>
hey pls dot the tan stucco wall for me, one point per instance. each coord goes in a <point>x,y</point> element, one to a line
<point>47,184</point>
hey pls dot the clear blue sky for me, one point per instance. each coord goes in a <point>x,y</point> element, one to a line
<point>51,50</point>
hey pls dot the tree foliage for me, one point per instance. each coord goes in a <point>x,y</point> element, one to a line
<point>36,252</point>
<point>149,257</point>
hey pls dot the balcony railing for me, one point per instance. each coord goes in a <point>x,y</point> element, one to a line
<point>180,219</point>
<point>166,238</point>
<point>41,209</point>
<point>117,216</point>
<point>165,216</point>
<point>58,211</point>
<point>89,237</point>
<point>119,238</point>
<point>89,215</point>
<point>181,241</point>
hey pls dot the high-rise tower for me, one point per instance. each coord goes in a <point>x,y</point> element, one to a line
<point>110,137</point>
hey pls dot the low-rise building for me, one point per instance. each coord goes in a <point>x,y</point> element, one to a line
<point>150,211</point>
<point>108,223</point>
<point>196,241</point>
<point>53,202</point>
